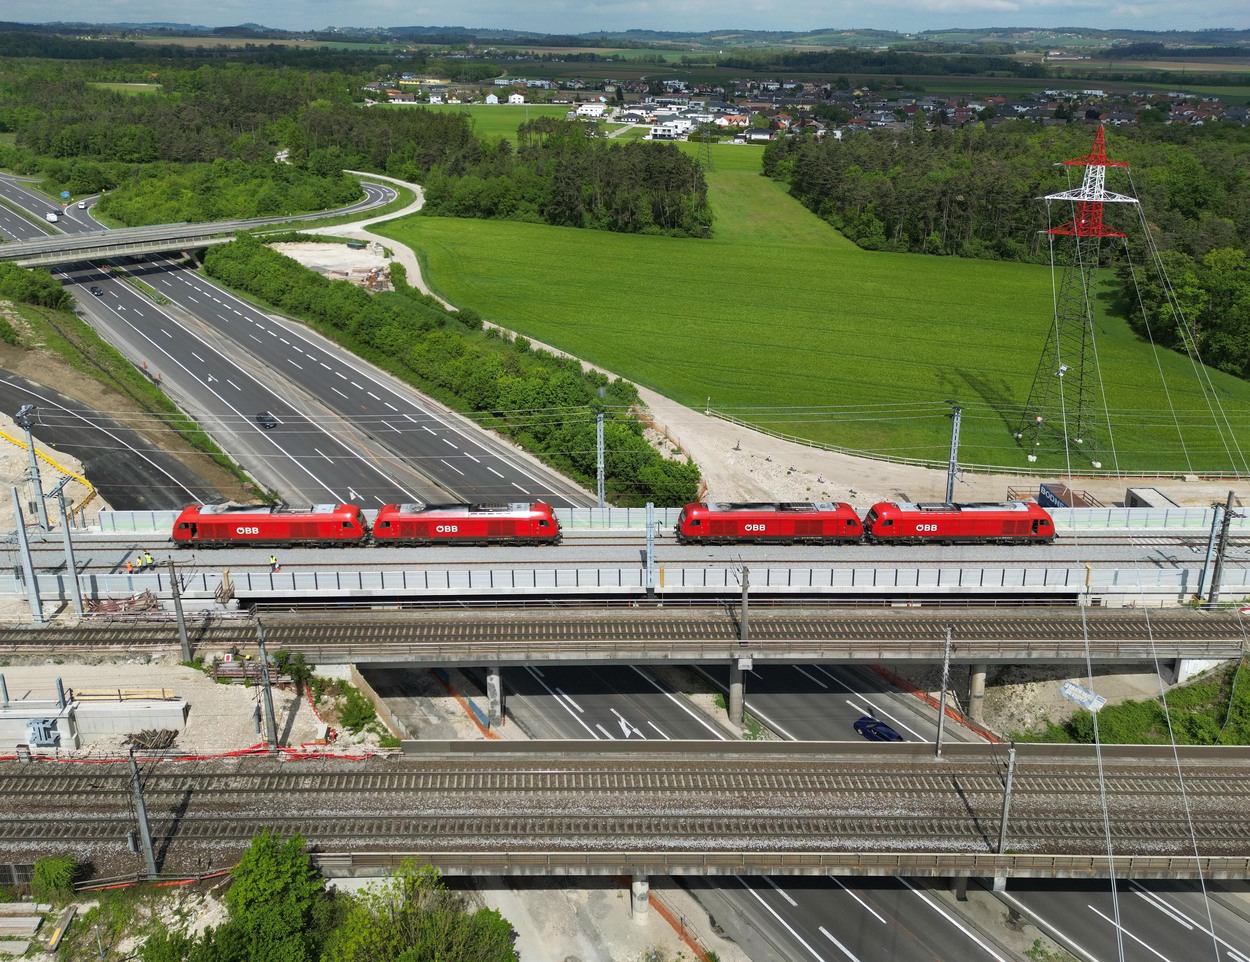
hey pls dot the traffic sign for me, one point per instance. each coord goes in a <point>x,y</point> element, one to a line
<point>1082,696</point>
<point>65,194</point>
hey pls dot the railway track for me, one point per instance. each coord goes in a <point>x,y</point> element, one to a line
<point>559,803</point>
<point>408,633</point>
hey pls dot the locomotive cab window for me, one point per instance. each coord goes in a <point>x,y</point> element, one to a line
<point>695,522</point>
<point>542,523</point>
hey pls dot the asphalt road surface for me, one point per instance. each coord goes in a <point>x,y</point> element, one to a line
<point>129,471</point>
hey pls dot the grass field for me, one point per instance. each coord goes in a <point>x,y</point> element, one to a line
<point>782,321</point>
<point>497,121</point>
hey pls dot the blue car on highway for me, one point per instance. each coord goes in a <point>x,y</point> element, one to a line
<point>876,731</point>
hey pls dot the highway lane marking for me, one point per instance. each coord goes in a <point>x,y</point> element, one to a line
<point>627,727</point>
<point>1148,948</point>
<point>808,674</point>
<point>343,376</point>
<point>272,333</point>
<point>411,418</point>
<point>391,426</point>
<point>452,443</point>
<point>325,365</point>
<point>324,455</point>
<point>560,702</point>
<point>569,699</point>
<point>292,361</point>
<point>471,458</point>
<point>337,391</point>
<point>878,713</point>
<point>357,386</point>
<point>786,925</point>
<point>967,933</point>
<point>518,487</point>
<point>1157,903</point>
<point>784,894</point>
<point>166,333</point>
<point>391,406</point>
<point>606,733</point>
<point>426,430</point>
<point>197,357</point>
<point>658,732</point>
<point>378,500</point>
<point>192,299</point>
<point>671,696</point>
<point>233,385</point>
<point>867,908</point>
<point>372,395</point>
<point>254,338</point>
<point>284,340</point>
<point>841,948</point>
<point>1167,907</point>
<point>453,467</point>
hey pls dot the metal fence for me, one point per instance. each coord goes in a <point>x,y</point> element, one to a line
<point>635,519</point>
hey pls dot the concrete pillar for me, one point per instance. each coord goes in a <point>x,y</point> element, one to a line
<point>1000,883</point>
<point>961,888</point>
<point>494,694</point>
<point>639,897</point>
<point>976,694</point>
<point>736,695</point>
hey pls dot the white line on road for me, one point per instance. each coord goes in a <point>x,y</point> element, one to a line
<point>607,734</point>
<point>326,366</point>
<point>337,391</point>
<point>782,892</point>
<point>324,455</point>
<point>680,703</point>
<point>519,488</point>
<point>808,674</point>
<point>254,338</point>
<point>426,430</point>
<point>452,443</point>
<point>343,376</point>
<point>372,395</point>
<point>967,933</point>
<point>233,385</point>
<point>561,693</point>
<point>357,386</point>
<point>290,361</point>
<point>841,948</point>
<point>658,732</point>
<point>471,458</point>
<point>489,468</point>
<point>391,406</point>
<point>786,925</point>
<point>391,426</point>
<point>867,908</point>
<point>284,340</point>
<point>166,333</point>
<point>453,467</point>
<point>197,357</point>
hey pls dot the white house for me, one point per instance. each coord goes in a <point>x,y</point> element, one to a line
<point>591,110</point>
<point>516,98</point>
<point>492,99</point>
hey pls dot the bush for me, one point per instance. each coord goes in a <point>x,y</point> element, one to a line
<point>357,711</point>
<point>53,880</point>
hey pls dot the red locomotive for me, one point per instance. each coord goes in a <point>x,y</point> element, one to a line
<point>1013,522</point>
<point>819,522</point>
<point>213,525</point>
<point>519,523</point>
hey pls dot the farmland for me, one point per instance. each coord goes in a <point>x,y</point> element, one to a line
<point>779,319</point>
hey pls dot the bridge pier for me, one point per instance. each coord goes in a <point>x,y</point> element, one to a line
<point>639,897</point>
<point>494,694</point>
<point>976,693</point>
<point>736,694</point>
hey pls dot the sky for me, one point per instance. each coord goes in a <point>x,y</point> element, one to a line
<point>580,16</point>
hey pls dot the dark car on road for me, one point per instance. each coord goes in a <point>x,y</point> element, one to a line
<point>97,291</point>
<point>266,420</point>
<point>876,731</point>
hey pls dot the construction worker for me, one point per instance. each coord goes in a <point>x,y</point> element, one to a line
<point>139,562</point>
<point>130,567</point>
<point>273,563</point>
<point>148,560</point>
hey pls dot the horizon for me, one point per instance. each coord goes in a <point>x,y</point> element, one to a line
<point>565,18</point>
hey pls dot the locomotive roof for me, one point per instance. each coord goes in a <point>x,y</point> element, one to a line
<point>416,508</point>
<point>772,506</point>
<point>963,506</point>
<point>230,507</point>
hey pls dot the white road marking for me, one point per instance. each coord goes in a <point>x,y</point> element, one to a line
<point>452,466</point>
<point>426,430</point>
<point>372,395</point>
<point>841,948</point>
<point>607,734</point>
<point>471,458</point>
<point>627,727</point>
<point>681,703</point>
<point>343,376</point>
<point>489,468</point>
<point>284,340</point>
<point>786,925</point>
<point>166,333</point>
<point>357,386</point>
<point>233,385</point>
<point>254,338</point>
<point>391,406</point>
<point>808,674</point>
<point>519,488</point>
<point>324,455</point>
<point>452,443</point>
<point>192,299</point>
<point>326,366</point>
<point>867,908</point>
<point>197,357</point>
<point>782,892</point>
<point>967,933</point>
<point>291,361</point>
<point>1148,948</point>
<point>391,426</point>
<point>658,732</point>
<point>337,391</point>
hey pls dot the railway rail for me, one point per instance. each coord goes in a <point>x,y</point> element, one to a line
<point>692,798</point>
<point>415,632</point>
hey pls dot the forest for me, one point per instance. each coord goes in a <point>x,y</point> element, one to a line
<point>973,192</point>
<point>559,175</point>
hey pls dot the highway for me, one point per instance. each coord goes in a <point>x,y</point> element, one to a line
<point>344,431</point>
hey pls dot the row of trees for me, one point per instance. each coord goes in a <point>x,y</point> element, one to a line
<point>546,403</point>
<point>560,174</point>
<point>280,910</point>
<point>973,192</point>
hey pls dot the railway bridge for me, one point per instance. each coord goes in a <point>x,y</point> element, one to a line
<point>812,808</point>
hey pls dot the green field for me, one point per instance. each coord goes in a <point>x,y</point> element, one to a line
<point>780,320</point>
<point>497,121</point>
